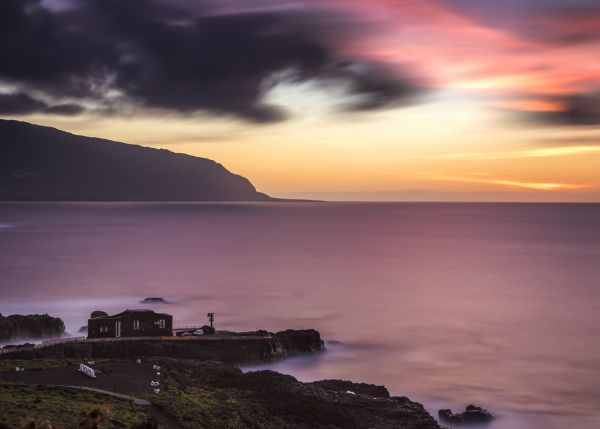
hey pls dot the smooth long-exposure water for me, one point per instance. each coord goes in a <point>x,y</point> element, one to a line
<point>494,304</point>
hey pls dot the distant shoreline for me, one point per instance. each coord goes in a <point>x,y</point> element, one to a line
<point>284,200</point>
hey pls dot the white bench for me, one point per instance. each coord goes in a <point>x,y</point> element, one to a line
<point>87,371</point>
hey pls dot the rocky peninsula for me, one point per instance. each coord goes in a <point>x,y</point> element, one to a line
<point>199,394</point>
<point>198,388</point>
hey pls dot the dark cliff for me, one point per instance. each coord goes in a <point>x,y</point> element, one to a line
<point>268,400</point>
<point>207,394</point>
<point>237,350</point>
<point>45,164</point>
<point>33,326</point>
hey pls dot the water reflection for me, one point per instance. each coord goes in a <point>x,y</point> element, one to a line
<point>446,303</point>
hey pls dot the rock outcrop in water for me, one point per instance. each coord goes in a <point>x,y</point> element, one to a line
<point>154,300</point>
<point>471,415</point>
<point>33,326</point>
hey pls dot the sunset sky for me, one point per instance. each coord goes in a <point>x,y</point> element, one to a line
<point>335,99</point>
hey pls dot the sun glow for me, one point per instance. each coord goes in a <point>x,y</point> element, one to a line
<point>512,183</point>
<point>529,153</point>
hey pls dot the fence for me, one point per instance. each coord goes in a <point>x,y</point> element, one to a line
<point>63,340</point>
<point>44,343</point>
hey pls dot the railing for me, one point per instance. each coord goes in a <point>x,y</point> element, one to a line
<point>183,328</point>
<point>44,343</point>
<point>63,340</point>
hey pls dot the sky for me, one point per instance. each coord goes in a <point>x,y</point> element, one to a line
<point>443,100</point>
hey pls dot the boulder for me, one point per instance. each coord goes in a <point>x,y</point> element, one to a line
<point>154,300</point>
<point>356,388</point>
<point>472,414</point>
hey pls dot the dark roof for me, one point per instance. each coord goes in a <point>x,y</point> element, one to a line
<point>129,311</point>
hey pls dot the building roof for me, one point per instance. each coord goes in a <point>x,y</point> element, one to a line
<point>130,311</point>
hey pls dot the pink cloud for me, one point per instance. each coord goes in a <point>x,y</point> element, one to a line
<point>456,51</point>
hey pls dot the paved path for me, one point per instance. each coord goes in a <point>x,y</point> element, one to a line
<point>136,401</point>
<point>125,380</point>
<point>166,421</point>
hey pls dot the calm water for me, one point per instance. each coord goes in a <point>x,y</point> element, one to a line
<point>445,303</point>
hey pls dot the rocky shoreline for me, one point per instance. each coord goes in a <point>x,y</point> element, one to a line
<point>266,399</point>
<point>201,385</point>
<point>235,348</point>
<point>207,394</point>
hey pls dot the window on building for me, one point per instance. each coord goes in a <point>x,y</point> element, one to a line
<point>136,325</point>
<point>103,328</point>
<point>161,323</point>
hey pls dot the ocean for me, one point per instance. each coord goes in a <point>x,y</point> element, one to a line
<point>448,304</point>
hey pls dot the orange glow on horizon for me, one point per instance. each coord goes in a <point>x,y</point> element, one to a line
<point>513,183</point>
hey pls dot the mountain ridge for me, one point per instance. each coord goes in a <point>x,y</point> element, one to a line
<point>40,163</point>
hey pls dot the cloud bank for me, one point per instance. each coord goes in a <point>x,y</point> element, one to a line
<point>153,55</point>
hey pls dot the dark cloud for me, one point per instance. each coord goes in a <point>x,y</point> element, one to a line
<point>23,104</point>
<point>19,104</point>
<point>376,86</point>
<point>577,110</point>
<point>155,55</point>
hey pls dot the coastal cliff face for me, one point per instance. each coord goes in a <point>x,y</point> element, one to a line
<point>33,326</point>
<point>205,389</point>
<point>207,394</point>
<point>215,395</point>
<point>45,164</point>
<point>238,350</point>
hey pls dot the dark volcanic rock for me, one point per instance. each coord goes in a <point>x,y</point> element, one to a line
<point>269,400</point>
<point>208,394</point>
<point>238,350</point>
<point>299,341</point>
<point>35,326</point>
<point>154,300</point>
<point>472,414</point>
<point>357,388</point>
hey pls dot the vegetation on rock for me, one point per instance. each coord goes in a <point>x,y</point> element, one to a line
<point>214,395</point>
<point>35,326</point>
<point>36,406</point>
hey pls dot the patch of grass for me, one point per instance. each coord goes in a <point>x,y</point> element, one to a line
<point>198,408</point>
<point>26,405</point>
<point>9,365</point>
<point>35,364</point>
